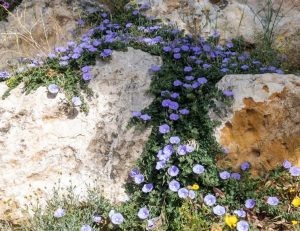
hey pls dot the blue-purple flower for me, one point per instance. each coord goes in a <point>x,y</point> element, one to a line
<point>183,193</point>
<point>117,218</point>
<point>294,171</point>
<point>242,226</point>
<point>173,170</point>
<point>192,194</point>
<point>58,213</point>
<point>174,117</point>
<point>174,140</point>
<point>139,178</point>
<point>53,88</point>
<point>210,199</point>
<point>245,166</point>
<point>250,203</point>
<point>174,185</point>
<point>147,188</point>
<point>76,101</point>
<point>286,164</point>
<point>143,213</point>
<point>235,176</point>
<point>145,117</point>
<point>163,129</point>
<point>97,218</point>
<point>198,169</point>
<point>224,175</point>
<point>219,210</point>
<point>272,201</point>
<point>86,228</point>
<point>240,213</point>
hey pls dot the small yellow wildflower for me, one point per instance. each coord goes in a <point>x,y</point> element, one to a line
<point>195,187</point>
<point>296,202</point>
<point>292,190</point>
<point>295,222</point>
<point>231,221</point>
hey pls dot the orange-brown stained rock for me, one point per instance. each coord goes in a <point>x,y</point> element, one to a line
<point>264,133</point>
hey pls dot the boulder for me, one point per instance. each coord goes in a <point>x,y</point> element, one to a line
<point>262,125</point>
<point>42,143</point>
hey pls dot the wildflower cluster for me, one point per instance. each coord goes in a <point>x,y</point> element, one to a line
<point>178,164</point>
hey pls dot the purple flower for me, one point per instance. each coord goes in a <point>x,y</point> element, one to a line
<point>6,5</point>
<point>240,213</point>
<point>279,71</point>
<point>63,63</point>
<point>174,116</point>
<point>235,176</point>
<point>128,25</point>
<point>272,201</point>
<point>173,170</point>
<point>52,56</point>
<point>143,213</point>
<point>174,140</point>
<point>150,224</point>
<point>76,101</point>
<point>202,80</point>
<point>174,185</point>
<point>294,171</point>
<point>97,219</point>
<point>185,48</point>
<point>160,164</point>
<point>286,164</point>
<point>60,49</point>
<point>183,193</point>
<point>206,66</point>
<point>145,117</point>
<point>177,56</point>
<point>224,69</point>
<point>189,78</point>
<point>173,105</point>
<point>224,175</point>
<point>181,150</point>
<point>184,111</point>
<point>174,95</point>
<point>189,148</point>
<point>138,179</point>
<point>136,114</point>
<point>187,69</point>
<point>135,12</point>
<point>242,226</point>
<point>97,43</point>
<point>250,203</point>
<point>192,194</point>
<point>229,45</point>
<point>168,150</point>
<point>80,22</point>
<point>134,172</point>
<point>167,49</point>
<point>155,68</point>
<point>86,69</point>
<point>147,188</point>
<point>177,83</point>
<point>228,93</point>
<point>245,67</point>
<point>198,169</point>
<point>117,218</point>
<point>210,199</point>
<point>176,50</point>
<point>166,102</point>
<point>163,129</point>
<point>75,56</point>
<point>86,228</point>
<point>245,166</point>
<point>58,213</point>
<point>206,48</point>
<point>87,76</point>
<point>64,58</point>
<point>219,210</point>
<point>53,88</point>
<point>105,53</point>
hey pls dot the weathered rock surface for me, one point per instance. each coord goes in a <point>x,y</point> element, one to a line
<point>263,124</point>
<point>41,144</point>
<point>232,18</point>
<point>36,27</point>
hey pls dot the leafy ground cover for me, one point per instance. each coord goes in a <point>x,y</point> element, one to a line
<point>176,184</point>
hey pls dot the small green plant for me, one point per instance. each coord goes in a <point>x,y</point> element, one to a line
<point>115,6</point>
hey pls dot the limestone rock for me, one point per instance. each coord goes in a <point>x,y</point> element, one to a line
<point>262,125</point>
<point>41,144</point>
<point>231,18</point>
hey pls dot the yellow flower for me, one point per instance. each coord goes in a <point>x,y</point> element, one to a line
<point>292,190</point>
<point>195,187</point>
<point>296,202</point>
<point>231,221</point>
<point>295,222</point>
